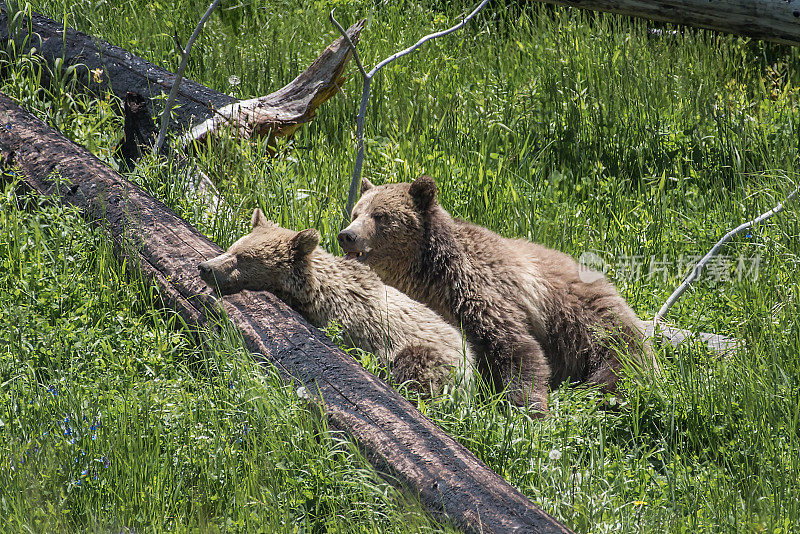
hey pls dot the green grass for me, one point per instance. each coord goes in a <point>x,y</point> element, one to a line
<point>112,416</point>
<point>581,131</point>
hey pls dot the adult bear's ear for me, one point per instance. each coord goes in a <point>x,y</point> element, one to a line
<point>259,219</point>
<point>366,185</point>
<point>423,191</point>
<point>305,242</point>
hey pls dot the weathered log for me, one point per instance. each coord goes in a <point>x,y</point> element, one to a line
<point>121,71</point>
<point>770,20</point>
<point>166,249</point>
<point>278,114</point>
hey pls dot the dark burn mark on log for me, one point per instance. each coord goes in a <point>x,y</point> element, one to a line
<point>139,132</point>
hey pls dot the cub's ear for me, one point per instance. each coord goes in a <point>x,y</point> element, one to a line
<point>259,219</point>
<point>423,191</point>
<point>305,242</point>
<point>366,185</point>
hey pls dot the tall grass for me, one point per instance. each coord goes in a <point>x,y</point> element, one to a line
<point>114,418</point>
<point>585,132</point>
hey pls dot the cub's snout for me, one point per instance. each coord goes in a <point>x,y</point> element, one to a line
<point>219,273</point>
<point>205,271</point>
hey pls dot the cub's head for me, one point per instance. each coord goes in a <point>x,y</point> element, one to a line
<point>387,222</point>
<point>264,259</point>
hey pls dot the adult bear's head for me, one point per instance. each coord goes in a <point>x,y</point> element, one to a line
<point>388,222</point>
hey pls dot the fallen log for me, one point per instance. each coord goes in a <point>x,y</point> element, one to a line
<point>279,114</point>
<point>200,109</point>
<point>121,71</point>
<point>166,249</point>
<point>777,21</point>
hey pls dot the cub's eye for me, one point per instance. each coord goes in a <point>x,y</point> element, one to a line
<point>380,216</point>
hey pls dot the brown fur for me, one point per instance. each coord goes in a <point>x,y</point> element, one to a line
<point>417,342</point>
<point>526,309</point>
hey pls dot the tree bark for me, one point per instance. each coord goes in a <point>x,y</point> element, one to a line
<point>770,20</point>
<point>167,250</point>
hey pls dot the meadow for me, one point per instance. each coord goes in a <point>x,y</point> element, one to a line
<point>582,131</point>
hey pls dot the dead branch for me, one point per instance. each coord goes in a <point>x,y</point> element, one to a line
<point>281,113</point>
<point>355,182</point>
<point>698,269</point>
<point>167,113</point>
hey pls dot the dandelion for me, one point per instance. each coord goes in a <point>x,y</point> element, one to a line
<point>640,503</point>
<point>302,392</point>
<point>97,75</point>
<point>554,454</point>
<point>234,80</point>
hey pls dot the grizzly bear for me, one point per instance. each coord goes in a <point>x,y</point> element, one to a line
<point>415,341</point>
<point>533,317</point>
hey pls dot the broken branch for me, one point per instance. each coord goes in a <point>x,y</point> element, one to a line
<point>698,268</point>
<point>355,182</point>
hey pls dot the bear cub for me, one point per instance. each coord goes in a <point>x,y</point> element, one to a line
<point>415,341</point>
<point>533,316</point>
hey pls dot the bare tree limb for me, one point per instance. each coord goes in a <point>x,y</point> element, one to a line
<point>427,38</point>
<point>349,43</point>
<point>165,116</point>
<point>698,268</point>
<point>355,182</point>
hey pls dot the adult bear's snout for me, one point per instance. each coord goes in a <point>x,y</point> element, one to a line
<point>346,237</point>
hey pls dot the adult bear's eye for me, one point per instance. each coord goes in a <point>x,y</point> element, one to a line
<point>380,216</point>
